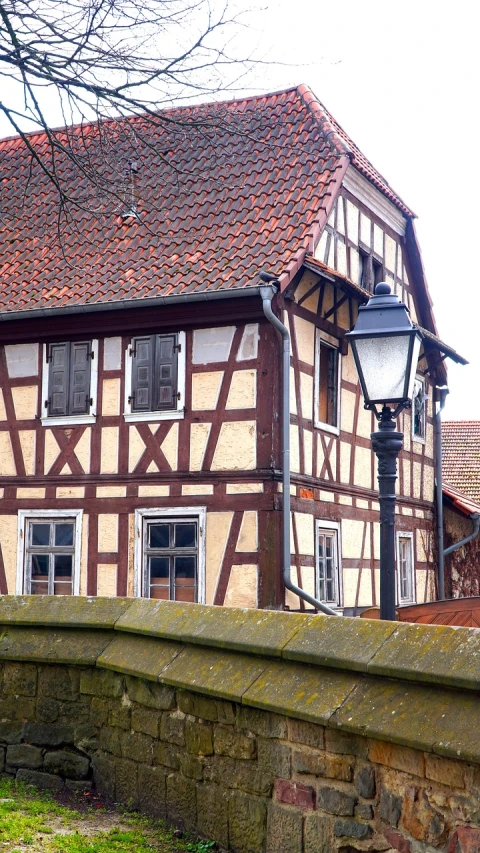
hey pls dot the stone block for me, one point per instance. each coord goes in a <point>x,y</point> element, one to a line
<point>47,735</point>
<point>109,740</point>
<point>138,656</point>
<point>47,710</point>
<point>274,758</point>
<point>390,807</point>
<point>363,811</point>
<point>421,820</point>
<point>192,767</point>
<point>11,732</point>
<point>466,839</point>
<point>344,643</point>
<point>103,767</point>
<point>19,679</point>
<point>335,801</point>
<point>213,710</point>
<point>59,682</point>
<point>100,710</point>
<point>199,738</point>
<point>101,682</point>
<point>229,741</point>
<point>224,675</point>
<point>78,786</point>
<point>321,764</point>
<point>126,782</point>
<point>181,801</point>
<point>318,834</point>
<point>398,842</point>
<point>284,829</point>
<point>364,782</point>
<point>66,763</point>
<point>247,823</point>
<point>13,710</point>
<point>137,747</point>
<point>261,722</point>
<point>399,757</point>
<point>166,754</point>
<point>294,793</point>
<point>52,645</point>
<point>345,743</point>
<point>24,755</point>
<point>146,721</point>
<point>152,791</point>
<point>172,728</point>
<point>309,734</point>
<point>212,813</point>
<point>75,611</point>
<point>157,696</point>
<point>119,717</point>
<point>445,771</point>
<point>351,829</point>
<point>86,738</point>
<point>44,781</point>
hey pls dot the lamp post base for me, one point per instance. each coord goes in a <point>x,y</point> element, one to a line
<point>387,444</point>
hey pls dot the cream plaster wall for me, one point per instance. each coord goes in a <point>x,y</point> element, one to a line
<point>363,467</point>
<point>243,488</point>
<point>27,443</point>
<point>84,556</point>
<point>308,451</point>
<point>170,446</point>
<point>304,523</point>
<point>248,348</point>
<point>218,528</point>
<point>347,410</point>
<point>243,390</point>
<point>198,444</point>
<point>205,389</point>
<point>107,579</point>
<point>70,492</point>
<point>153,491</point>
<point>111,397</point>
<point>352,535</point>
<point>107,532</point>
<point>305,337</point>
<point>3,414</point>
<point>248,535</point>
<point>22,360</point>
<point>30,492</point>
<point>109,450</point>
<point>7,463</point>
<point>294,448</point>
<point>136,447</point>
<point>82,449</point>
<point>111,491</point>
<point>242,587</point>
<point>236,446</point>
<point>306,394</point>
<point>197,489</point>
<point>25,402</point>
<point>8,541</point>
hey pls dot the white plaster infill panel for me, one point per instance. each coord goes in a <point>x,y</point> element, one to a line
<point>23,515</point>
<point>212,345</point>
<point>22,360</point>
<point>112,353</point>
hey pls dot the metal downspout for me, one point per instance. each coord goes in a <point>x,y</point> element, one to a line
<point>267,293</point>
<point>475,531</point>
<point>439,481</point>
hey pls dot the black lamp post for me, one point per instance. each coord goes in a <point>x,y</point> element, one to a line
<point>385,347</point>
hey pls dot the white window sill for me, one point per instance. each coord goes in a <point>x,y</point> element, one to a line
<point>327,428</point>
<point>73,420</point>
<point>417,440</point>
<point>131,417</point>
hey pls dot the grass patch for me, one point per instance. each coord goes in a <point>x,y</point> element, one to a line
<point>33,821</point>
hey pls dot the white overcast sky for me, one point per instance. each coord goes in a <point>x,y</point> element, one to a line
<point>403,80</point>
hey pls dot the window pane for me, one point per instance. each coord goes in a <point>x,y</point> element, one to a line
<point>327,385</point>
<point>159,535</point>
<point>64,534</point>
<point>160,592</point>
<point>39,565</point>
<point>62,588</point>
<point>185,593</point>
<point>39,588</point>
<point>62,566</point>
<point>185,535</point>
<point>159,567</point>
<point>184,567</point>
<point>40,534</point>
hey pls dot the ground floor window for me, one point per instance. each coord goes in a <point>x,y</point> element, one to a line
<point>170,554</point>
<point>405,573</point>
<point>49,552</point>
<point>328,562</point>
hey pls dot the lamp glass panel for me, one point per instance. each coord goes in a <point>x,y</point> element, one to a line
<point>384,362</point>
<point>413,367</point>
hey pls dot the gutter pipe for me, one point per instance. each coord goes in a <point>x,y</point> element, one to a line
<point>443,391</point>
<point>475,531</point>
<point>267,293</point>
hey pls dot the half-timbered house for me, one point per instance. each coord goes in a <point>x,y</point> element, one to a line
<point>140,441</point>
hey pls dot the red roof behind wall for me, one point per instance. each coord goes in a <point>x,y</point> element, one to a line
<point>461,457</point>
<point>216,206</point>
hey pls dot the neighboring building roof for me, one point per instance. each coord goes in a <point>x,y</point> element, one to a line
<point>461,457</point>
<point>218,203</point>
<point>460,501</point>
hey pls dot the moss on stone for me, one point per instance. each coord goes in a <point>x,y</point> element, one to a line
<point>217,673</point>
<point>345,643</point>
<point>139,656</point>
<point>50,645</point>
<point>60,611</point>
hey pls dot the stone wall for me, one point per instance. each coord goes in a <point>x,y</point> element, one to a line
<point>265,731</point>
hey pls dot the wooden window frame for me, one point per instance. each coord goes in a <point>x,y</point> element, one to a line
<point>411,597</point>
<point>28,515</point>
<point>197,513</point>
<point>178,411</point>
<point>334,527</point>
<point>419,438</point>
<point>66,420</point>
<point>327,341</point>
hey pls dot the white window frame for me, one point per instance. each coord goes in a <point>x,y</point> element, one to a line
<point>333,343</point>
<point>415,437</point>
<point>70,419</point>
<point>401,534</point>
<point>25,515</point>
<point>321,524</point>
<point>174,414</point>
<point>199,513</point>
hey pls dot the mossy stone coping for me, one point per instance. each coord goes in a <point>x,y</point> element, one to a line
<point>415,685</point>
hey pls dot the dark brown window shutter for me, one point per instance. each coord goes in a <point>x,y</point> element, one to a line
<point>58,379</point>
<point>142,374</point>
<point>165,387</point>
<point>79,386</point>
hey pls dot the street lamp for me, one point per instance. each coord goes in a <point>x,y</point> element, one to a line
<point>386,347</point>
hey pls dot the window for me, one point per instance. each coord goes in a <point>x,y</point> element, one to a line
<point>370,271</point>
<point>327,377</point>
<point>70,381</point>
<point>155,377</point>
<point>169,559</point>
<point>405,577</point>
<point>49,552</point>
<point>419,410</point>
<point>328,564</point>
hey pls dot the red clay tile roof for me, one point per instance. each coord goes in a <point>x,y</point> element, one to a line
<point>216,207</point>
<point>460,501</point>
<point>461,457</point>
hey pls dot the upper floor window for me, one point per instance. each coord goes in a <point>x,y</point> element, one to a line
<point>155,377</point>
<point>419,410</point>
<point>328,563</point>
<point>327,379</point>
<point>70,381</point>
<point>405,573</point>
<point>49,552</point>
